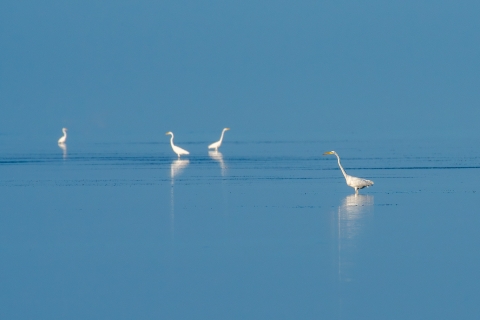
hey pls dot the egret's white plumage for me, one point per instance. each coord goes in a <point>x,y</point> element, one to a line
<point>354,182</point>
<point>217,144</point>
<point>179,151</point>
<point>63,139</point>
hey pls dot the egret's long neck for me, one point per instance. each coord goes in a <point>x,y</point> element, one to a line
<point>171,141</point>
<point>341,168</point>
<point>221,137</point>
<point>64,133</point>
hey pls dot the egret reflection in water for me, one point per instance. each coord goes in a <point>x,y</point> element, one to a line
<point>217,156</point>
<point>63,146</point>
<point>352,217</point>
<point>354,207</point>
<point>176,168</point>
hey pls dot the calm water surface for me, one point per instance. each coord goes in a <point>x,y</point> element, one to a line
<point>262,230</point>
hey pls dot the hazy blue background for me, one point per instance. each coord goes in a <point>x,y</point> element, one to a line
<point>131,70</point>
<point>114,226</point>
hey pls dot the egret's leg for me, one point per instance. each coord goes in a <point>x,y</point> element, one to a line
<point>356,190</point>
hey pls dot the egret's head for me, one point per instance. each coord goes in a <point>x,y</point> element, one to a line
<point>329,152</point>
<point>64,129</point>
<point>226,129</point>
<point>169,132</point>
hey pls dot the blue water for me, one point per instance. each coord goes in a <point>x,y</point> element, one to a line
<point>264,230</point>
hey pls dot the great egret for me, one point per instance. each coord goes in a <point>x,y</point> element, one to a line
<point>217,144</point>
<point>179,151</point>
<point>63,139</point>
<point>354,182</point>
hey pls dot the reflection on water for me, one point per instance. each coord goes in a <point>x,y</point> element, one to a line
<point>63,146</point>
<point>217,156</point>
<point>351,220</point>
<point>176,168</point>
<point>354,207</point>
<point>283,231</point>
<point>172,212</point>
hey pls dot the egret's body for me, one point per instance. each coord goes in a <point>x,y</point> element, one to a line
<point>179,151</point>
<point>63,139</point>
<point>354,182</point>
<point>217,144</point>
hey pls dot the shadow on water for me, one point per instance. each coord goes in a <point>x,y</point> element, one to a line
<point>351,218</point>
<point>176,168</point>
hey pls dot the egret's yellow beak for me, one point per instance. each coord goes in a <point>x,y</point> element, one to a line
<point>227,128</point>
<point>169,132</point>
<point>329,152</point>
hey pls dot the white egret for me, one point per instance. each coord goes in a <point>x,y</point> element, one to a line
<point>217,144</point>
<point>354,182</point>
<point>63,139</point>
<point>179,151</point>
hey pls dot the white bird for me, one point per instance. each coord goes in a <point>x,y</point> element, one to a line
<point>63,139</point>
<point>354,182</point>
<point>179,151</point>
<point>217,144</point>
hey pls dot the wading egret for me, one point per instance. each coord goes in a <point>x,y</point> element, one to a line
<point>63,139</point>
<point>354,182</point>
<point>217,144</point>
<point>179,151</point>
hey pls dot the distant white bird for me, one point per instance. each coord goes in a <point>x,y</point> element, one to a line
<point>217,144</point>
<point>179,151</point>
<point>354,182</point>
<point>63,139</point>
